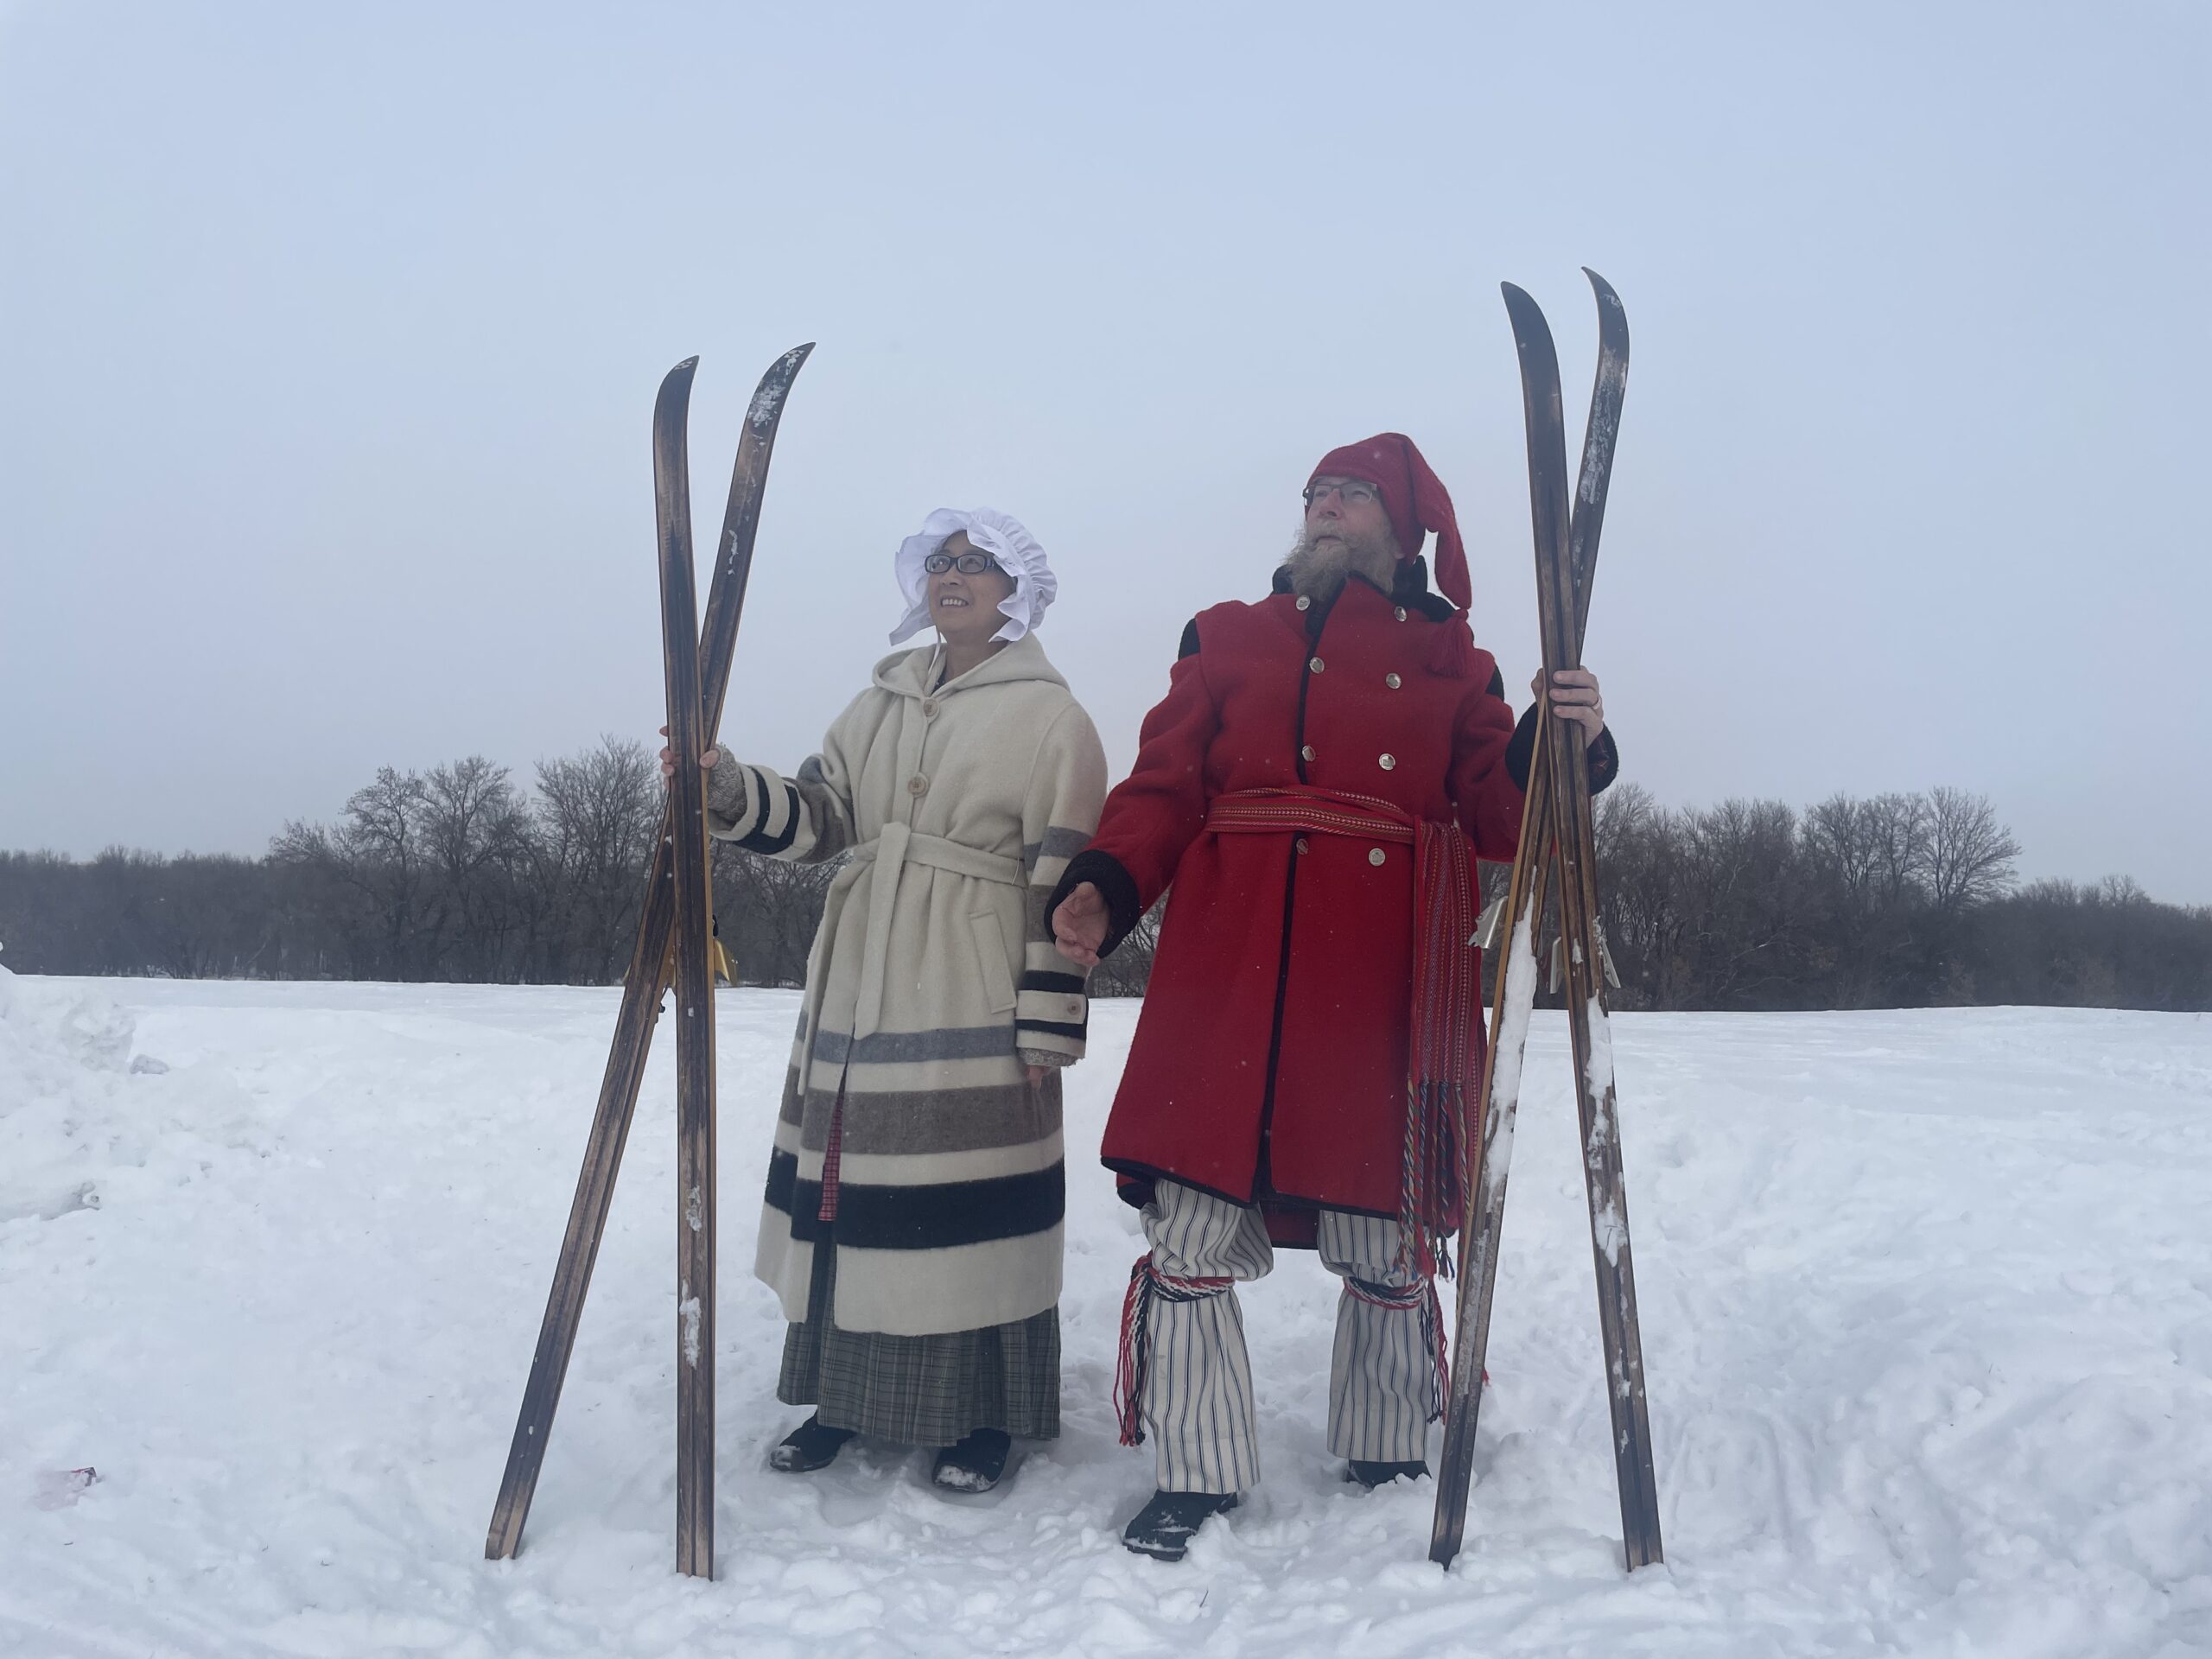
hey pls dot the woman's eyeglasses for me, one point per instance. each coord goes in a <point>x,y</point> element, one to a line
<point>969,564</point>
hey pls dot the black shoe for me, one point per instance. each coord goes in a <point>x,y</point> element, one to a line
<point>810,1446</point>
<point>1163,1527</point>
<point>1371,1475</point>
<point>975,1464</point>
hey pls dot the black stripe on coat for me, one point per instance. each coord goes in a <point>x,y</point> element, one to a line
<point>1039,979</point>
<point>934,1218</point>
<point>1055,1027</point>
<point>795,814</point>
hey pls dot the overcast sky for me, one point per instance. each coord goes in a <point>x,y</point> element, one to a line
<point>329,335</point>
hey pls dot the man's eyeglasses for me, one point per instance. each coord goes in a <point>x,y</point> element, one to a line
<point>1351,492</point>
<point>969,564</point>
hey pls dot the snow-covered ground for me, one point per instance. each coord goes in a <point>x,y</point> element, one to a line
<point>1927,1305</point>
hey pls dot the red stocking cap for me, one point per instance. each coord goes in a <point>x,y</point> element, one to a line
<point>1417,503</point>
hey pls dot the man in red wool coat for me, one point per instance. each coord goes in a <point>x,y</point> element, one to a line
<point>1316,786</point>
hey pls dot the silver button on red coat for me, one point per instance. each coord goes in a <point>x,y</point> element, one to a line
<point>1301,843</point>
<point>1390,680</point>
<point>1305,603</point>
<point>1315,663</point>
<point>1375,854</point>
<point>1306,753</point>
<point>1388,762</point>
<point>918,784</point>
<point>1400,612</point>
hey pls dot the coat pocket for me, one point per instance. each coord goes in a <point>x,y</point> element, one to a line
<point>990,957</point>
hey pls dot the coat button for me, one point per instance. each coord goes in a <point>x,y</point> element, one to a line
<point>929,708</point>
<point>1074,1009</point>
<point>918,784</point>
<point>1388,761</point>
<point>1375,854</point>
<point>1390,680</point>
<point>1305,603</point>
<point>1301,843</point>
<point>1306,753</point>
<point>1315,663</point>
<point>1399,612</point>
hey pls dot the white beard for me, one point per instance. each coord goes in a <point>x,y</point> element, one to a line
<point>1319,570</point>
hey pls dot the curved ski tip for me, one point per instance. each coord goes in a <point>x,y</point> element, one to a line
<point>1605,294</point>
<point>767,406</point>
<point>1528,316</point>
<point>676,383</point>
<point>785,367</point>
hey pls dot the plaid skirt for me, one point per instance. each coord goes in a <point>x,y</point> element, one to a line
<point>922,1390</point>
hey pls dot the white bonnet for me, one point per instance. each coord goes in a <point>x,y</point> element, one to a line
<point>1011,548</point>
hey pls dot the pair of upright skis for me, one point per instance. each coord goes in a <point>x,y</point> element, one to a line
<point>1557,851</point>
<point>673,933</point>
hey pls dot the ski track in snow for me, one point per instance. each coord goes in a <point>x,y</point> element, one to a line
<point>1927,1319</point>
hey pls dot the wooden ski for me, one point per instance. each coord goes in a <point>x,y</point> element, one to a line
<point>643,987</point>
<point>1564,576</point>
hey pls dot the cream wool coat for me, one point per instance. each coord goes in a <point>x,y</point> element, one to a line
<point>931,978</point>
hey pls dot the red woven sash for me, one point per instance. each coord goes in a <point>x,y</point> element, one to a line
<point>1444,1058</point>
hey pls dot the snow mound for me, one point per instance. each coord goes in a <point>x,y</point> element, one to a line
<point>61,1020</point>
<point>62,1053</point>
<point>79,1108</point>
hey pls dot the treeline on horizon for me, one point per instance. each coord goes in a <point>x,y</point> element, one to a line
<point>461,874</point>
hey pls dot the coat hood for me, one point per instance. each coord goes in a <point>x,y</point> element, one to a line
<point>910,673</point>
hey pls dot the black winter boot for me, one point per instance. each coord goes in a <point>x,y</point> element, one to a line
<point>1163,1527</point>
<point>973,1464</point>
<point>810,1446</point>
<point>1371,1475</point>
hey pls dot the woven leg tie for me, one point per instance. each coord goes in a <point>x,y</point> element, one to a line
<point>1148,1284</point>
<point>1420,1297</point>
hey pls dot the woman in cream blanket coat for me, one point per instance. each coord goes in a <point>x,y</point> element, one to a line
<point>912,1219</point>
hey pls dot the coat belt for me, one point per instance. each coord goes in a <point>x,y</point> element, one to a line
<point>1326,811</point>
<point>891,853</point>
<point>1444,1037</point>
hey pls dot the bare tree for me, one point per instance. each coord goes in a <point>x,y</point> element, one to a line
<point>1969,856</point>
<point>1897,828</point>
<point>1842,835</point>
<point>474,836</point>
<point>1749,923</point>
<point>598,813</point>
<point>378,854</point>
<point>1644,879</point>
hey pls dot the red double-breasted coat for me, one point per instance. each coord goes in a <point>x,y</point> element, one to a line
<point>1269,1063</point>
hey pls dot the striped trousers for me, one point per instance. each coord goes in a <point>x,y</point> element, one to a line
<point>1195,1399</point>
